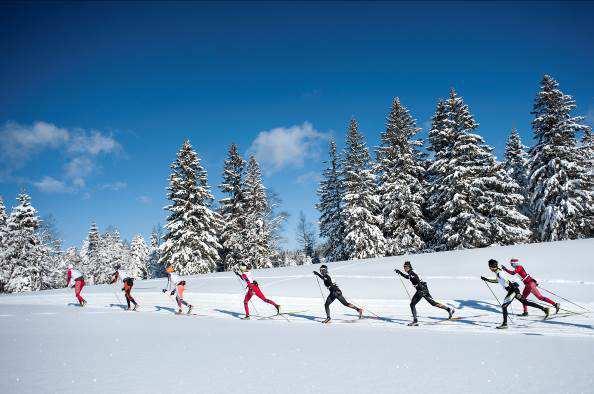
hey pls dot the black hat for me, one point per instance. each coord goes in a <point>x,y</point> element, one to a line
<point>323,267</point>
<point>408,264</point>
<point>493,263</point>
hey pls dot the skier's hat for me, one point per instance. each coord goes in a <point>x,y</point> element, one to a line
<point>407,264</point>
<point>514,262</point>
<point>493,263</point>
<point>169,268</point>
<point>323,267</point>
<point>70,266</point>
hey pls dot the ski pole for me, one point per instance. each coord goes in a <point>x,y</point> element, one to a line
<point>492,292</point>
<point>320,287</point>
<point>564,299</point>
<point>405,289</point>
<point>251,302</point>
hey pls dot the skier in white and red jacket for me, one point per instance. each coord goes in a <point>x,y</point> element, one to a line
<point>245,273</point>
<point>75,278</point>
<point>176,285</point>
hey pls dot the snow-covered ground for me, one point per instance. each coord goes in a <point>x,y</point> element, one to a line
<point>49,345</point>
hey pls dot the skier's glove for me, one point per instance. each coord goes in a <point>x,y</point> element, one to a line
<point>173,292</point>
<point>164,290</point>
<point>483,278</point>
<point>398,271</point>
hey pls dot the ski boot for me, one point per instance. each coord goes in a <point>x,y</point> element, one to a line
<point>557,306</point>
<point>546,312</point>
<point>135,307</point>
<point>277,309</point>
<point>326,321</point>
<point>246,317</point>
<point>179,311</point>
<point>360,310</point>
<point>451,313</point>
<point>190,309</point>
<point>524,314</point>
<point>502,327</point>
<point>413,323</point>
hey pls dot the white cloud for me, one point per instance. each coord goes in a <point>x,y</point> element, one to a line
<point>287,146</point>
<point>145,199</point>
<point>308,177</point>
<point>52,185</point>
<point>80,149</point>
<point>113,186</point>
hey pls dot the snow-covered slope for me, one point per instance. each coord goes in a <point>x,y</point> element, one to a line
<point>51,346</point>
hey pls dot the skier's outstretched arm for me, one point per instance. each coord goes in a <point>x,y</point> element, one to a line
<point>489,280</point>
<point>511,272</point>
<point>318,274</point>
<point>405,276</point>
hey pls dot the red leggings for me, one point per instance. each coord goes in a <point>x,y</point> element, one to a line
<point>531,287</point>
<point>78,286</point>
<point>254,289</point>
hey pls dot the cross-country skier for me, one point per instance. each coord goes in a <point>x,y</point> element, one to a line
<point>335,293</point>
<point>78,282</point>
<point>245,273</point>
<point>530,285</point>
<point>175,284</point>
<point>128,282</point>
<point>513,292</point>
<point>422,291</point>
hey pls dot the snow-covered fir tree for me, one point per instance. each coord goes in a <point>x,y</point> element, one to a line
<point>4,272</point>
<point>90,253</point>
<point>113,251</point>
<point>587,155</point>
<point>475,201</point>
<point>402,186</point>
<point>138,266</point>
<point>258,249</point>
<point>275,220</point>
<point>361,212</point>
<point>232,211</point>
<point>191,242</point>
<point>53,265</point>
<point>516,165</point>
<point>156,269</point>
<point>23,252</point>
<point>330,193</point>
<point>561,195</point>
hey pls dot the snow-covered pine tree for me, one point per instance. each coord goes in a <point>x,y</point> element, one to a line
<point>155,268</point>
<point>475,201</point>
<point>257,232</point>
<point>113,251</point>
<point>191,243</point>
<point>402,185</point>
<point>561,196</point>
<point>138,265</point>
<point>23,253</point>
<point>516,165</point>
<point>587,154</point>
<point>232,211</point>
<point>53,265</point>
<point>361,212</point>
<point>4,272</point>
<point>275,221</point>
<point>330,193</point>
<point>90,253</point>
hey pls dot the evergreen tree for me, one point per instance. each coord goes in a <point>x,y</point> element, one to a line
<point>275,221</point>
<point>474,201</point>
<point>139,258</point>
<point>23,253</point>
<point>90,253</point>
<point>561,195</point>
<point>53,266</point>
<point>232,211</point>
<point>330,193</point>
<point>156,270</point>
<point>361,213</point>
<point>516,165</point>
<point>4,272</point>
<point>402,186</point>
<point>256,209</point>
<point>113,251</point>
<point>191,244</point>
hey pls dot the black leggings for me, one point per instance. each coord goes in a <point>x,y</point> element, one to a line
<point>423,292</point>
<point>336,294</point>
<point>514,294</point>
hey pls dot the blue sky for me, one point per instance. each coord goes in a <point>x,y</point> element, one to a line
<point>97,98</point>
